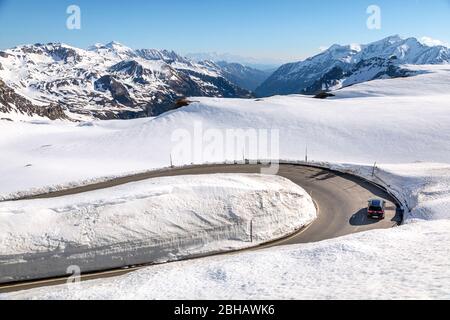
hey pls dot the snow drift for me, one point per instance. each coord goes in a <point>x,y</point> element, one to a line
<point>154,221</point>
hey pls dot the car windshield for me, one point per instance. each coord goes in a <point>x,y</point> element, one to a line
<point>372,208</point>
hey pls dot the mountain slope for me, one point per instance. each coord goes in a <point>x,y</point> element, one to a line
<point>340,66</point>
<point>263,64</point>
<point>243,76</point>
<point>108,81</point>
<point>13,102</point>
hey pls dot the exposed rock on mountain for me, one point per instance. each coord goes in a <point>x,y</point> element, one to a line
<point>341,66</point>
<point>108,81</point>
<point>10,101</point>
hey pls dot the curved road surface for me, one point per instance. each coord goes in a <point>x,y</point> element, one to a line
<point>341,200</point>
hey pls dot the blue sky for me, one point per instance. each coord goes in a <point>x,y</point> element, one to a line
<point>269,29</point>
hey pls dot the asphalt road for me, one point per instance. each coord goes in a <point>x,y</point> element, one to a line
<point>341,200</point>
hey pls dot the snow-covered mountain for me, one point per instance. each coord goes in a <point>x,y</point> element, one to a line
<point>341,66</point>
<point>113,81</point>
<point>248,73</point>
<point>243,76</point>
<point>263,64</point>
<point>103,82</point>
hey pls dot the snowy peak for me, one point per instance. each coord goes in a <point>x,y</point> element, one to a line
<point>106,81</point>
<point>122,51</point>
<point>54,51</point>
<point>338,66</point>
<point>114,45</point>
<point>389,41</point>
<point>408,51</point>
<point>113,50</point>
<point>165,55</point>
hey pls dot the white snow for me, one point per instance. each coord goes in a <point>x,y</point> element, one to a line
<point>407,117</point>
<point>423,187</point>
<point>403,124</point>
<point>432,81</point>
<point>409,262</point>
<point>154,221</point>
<point>43,74</point>
<point>375,265</point>
<point>430,42</point>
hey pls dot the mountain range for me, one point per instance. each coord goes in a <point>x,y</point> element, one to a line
<point>109,81</point>
<point>243,76</point>
<point>341,66</point>
<point>112,81</point>
<point>263,64</point>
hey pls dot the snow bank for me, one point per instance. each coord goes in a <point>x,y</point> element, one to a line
<point>431,80</point>
<point>408,262</point>
<point>156,221</point>
<point>424,188</point>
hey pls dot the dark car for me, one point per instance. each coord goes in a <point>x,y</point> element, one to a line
<point>376,209</point>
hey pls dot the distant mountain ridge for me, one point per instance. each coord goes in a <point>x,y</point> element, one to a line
<point>341,66</point>
<point>262,64</point>
<point>243,76</point>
